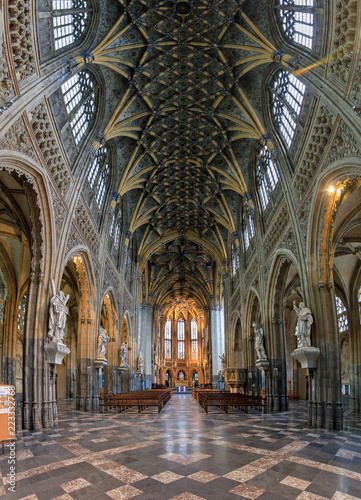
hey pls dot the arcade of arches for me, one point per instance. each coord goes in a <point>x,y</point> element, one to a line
<point>182,171</point>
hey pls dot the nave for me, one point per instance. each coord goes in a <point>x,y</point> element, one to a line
<point>184,454</point>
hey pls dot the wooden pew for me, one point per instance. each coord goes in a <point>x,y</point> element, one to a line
<point>140,399</point>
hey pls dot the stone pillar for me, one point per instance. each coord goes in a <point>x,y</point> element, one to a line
<point>328,376</point>
<point>217,339</point>
<point>145,341</point>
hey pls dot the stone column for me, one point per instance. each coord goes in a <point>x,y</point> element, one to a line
<point>217,339</point>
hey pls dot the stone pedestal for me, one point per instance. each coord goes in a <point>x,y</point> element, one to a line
<point>307,356</point>
<point>235,378</point>
<point>100,363</point>
<point>262,364</point>
<point>55,352</point>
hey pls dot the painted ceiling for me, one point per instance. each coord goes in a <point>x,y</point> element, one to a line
<point>189,115</point>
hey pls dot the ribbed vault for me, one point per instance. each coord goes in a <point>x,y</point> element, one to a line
<point>185,109</point>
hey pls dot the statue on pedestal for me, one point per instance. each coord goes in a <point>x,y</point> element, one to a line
<point>103,340</point>
<point>57,314</point>
<point>140,362</point>
<point>303,327</point>
<point>124,355</point>
<point>223,361</point>
<point>259,342</point>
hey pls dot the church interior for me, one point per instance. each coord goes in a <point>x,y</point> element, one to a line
<point>180,211</point>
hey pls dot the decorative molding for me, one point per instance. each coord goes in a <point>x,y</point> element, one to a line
<point>17,139</point>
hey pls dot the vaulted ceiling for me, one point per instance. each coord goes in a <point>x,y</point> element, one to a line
<point>189,118</point>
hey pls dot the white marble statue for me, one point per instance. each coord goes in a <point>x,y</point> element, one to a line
<point>223,361</point>
<point>103,340</point>
<point>140,362</point>
<point>303,327</point>
<point>57,314</point>
<point>124,355</point>
<point>259,342</point>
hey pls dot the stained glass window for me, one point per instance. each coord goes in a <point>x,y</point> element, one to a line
<point>359,302</point>
<point>70,19</point>
<point>194,339</point>
<point>21,313</point>
<point>297,21</point>
<point>342,319</point>
<point>168,339</point>
<point>2,310</point>
<point>181,338</point>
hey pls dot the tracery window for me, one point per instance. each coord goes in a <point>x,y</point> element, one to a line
<point>267,176</point>
<point>21,314</point>
<point>168,339</point>
<point>247,225</point>
<point>181,338</point>
<point>297,21</point>
<point>99,176</point>
<point>70,19</point>
<point>79,98</point>
<point>2,310</point>
<point>342,319</point>
<point>235,260</point>
<point>287,96</point>
<point>194,339</point>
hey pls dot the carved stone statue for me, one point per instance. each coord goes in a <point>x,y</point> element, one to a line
<point>124,355</point>
<point>140,362</point>
<point>57,314</point>
<point>259,342</point>
<point>303,327</point>
<point>103,340</point>
<point>223,361</point>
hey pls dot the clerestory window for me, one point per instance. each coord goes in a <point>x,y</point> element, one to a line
<point>287,96</point>
<point>99,176</point>
<point>79,98</point>
<point>248,228</point>
<point>70,18</point>
<point>267,176</point>
<point>296,20</point>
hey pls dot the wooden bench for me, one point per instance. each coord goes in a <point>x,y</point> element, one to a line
<point>224,401</point>
<point>140,399</point>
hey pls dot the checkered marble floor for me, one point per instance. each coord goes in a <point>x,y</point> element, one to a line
<point>184,454</point>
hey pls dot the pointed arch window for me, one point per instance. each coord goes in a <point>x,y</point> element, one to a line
<point>115,231</point>
<point>181,338</point>
<point>247,225</point>
<point>342,319</point>
<point>194,339</point>
<point>267,176</point>
<point>287,96</point>
<point>22,313</point>
<point>70,19</point>
<point>235,260</point>
<point>296,20</point>
<point>98,176</point>
<point>168,339</point>
<point>79,98</point>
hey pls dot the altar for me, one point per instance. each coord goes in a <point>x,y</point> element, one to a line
<point>182,385</point>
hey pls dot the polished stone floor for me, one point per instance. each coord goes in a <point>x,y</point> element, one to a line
<point>184,454</point>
